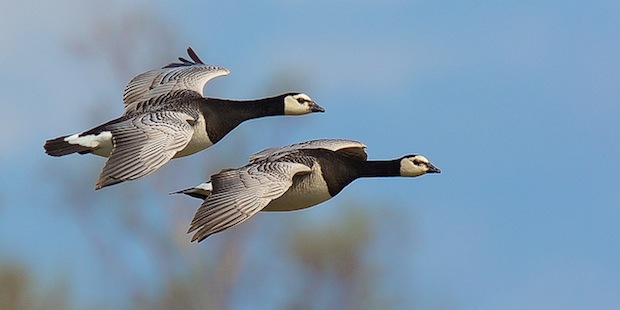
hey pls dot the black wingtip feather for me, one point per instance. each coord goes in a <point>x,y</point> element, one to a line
<point>194,56</point>
<point>184,62</point>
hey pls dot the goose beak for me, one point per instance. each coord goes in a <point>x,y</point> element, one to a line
<point>315,107</point>
<point>433,169</point>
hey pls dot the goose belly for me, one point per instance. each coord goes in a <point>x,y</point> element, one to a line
<point>306,191</point>
<point>104,149</point>
<point>199,140</point>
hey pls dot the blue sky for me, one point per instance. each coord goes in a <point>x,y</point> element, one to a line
<point>516,101</point>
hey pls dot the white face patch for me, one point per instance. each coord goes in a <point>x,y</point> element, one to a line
<point>297,104</point>
<point>302,97</point>
<point>90,141</point>
<point>409,168</point>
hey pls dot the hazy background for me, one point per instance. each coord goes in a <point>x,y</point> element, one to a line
<point>517,102</point>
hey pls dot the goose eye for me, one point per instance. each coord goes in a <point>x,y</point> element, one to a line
<point>420,163</point>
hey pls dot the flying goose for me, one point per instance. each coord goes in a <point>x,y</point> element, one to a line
<point>292,177</point>
<point>166,116</point>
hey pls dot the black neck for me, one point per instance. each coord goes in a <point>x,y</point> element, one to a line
<point>223,115</point>
<point>379,168</point>
<point>244,110</point>
<point>339,171</point>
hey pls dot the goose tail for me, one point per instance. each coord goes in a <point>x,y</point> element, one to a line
<point>62,146</point>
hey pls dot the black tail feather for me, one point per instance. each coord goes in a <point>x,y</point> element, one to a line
<point>194,192</point>
<point>60,147</point>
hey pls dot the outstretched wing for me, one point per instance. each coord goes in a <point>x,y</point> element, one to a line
<point>143,144</point>
<point>351,147</point>
<point>240,193</point>
<point>184,75</point>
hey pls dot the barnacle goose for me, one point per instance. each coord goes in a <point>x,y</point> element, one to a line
<point>166,116</point>
<point>290,178</point>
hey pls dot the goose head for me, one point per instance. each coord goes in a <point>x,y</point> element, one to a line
<point>300,103</point>
<point>416,165</point>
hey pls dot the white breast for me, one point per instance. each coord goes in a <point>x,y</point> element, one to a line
<point>199,141</point>
<point>307,190</point>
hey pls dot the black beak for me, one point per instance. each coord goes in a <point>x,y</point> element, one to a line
<point>315,107</point>
<point>433,169</point>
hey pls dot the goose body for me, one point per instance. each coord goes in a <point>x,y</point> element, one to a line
<point>166,116</point>
<point>290,178</point>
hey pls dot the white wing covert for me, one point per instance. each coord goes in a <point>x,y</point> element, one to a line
<point>143,144</point>
<point>185,75</point>
<point>354,148</point>
<point>240,193</point>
